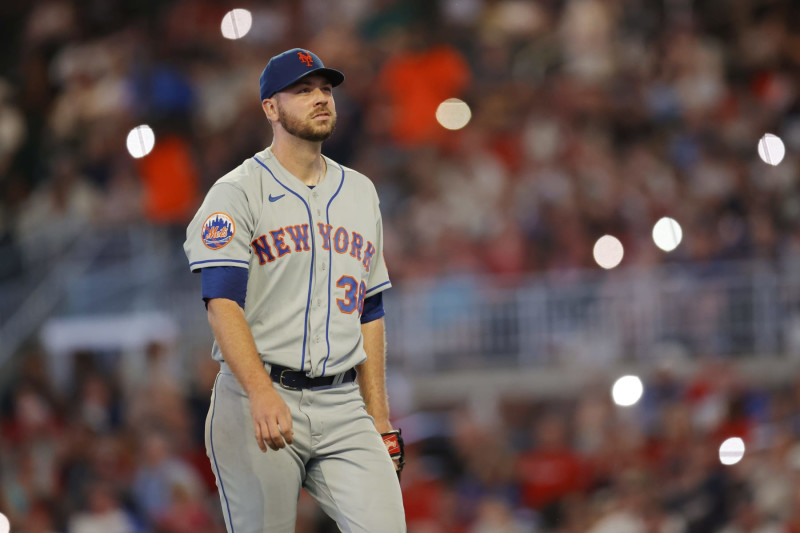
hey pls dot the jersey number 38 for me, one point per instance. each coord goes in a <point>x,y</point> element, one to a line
<point>353,295</point>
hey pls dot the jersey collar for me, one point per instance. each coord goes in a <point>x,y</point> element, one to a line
<point>327,186</point>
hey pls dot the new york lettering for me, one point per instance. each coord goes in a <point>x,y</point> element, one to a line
<point>277,243</point>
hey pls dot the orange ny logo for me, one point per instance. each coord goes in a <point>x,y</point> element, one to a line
<point>305,58</point>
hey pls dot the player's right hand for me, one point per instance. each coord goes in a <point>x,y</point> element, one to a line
<point>272,419</point>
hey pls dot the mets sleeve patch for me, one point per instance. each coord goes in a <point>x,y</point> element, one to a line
<point>218,230</point>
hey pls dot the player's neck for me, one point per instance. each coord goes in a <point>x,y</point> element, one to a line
<point>302,158</point>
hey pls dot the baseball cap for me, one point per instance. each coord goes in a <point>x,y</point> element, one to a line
<point>286,68</point>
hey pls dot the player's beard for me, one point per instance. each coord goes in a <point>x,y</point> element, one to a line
<point>305,129</point>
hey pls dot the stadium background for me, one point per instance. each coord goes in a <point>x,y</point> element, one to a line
<point>588,118</point>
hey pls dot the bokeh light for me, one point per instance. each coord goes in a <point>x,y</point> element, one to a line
<point>608,251</point>
<point>771,149</point>
<point>141,140</point>
<point>5,525</point>
<point>667,234</point>
<point>731,451</point>
<point>236,23</point>
<point>453,114</point>
<point>627,390</point>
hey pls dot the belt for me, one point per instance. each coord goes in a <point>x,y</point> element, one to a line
<point>297,379</point>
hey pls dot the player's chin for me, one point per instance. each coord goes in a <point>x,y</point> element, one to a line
<point>320,133</point>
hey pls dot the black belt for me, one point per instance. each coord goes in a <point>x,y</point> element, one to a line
<point>297,379</point>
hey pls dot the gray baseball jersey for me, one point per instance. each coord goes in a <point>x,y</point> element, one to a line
<point>313,256</point>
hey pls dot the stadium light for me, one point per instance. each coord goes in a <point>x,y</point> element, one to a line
<point>731,451</point>
<point>236,23</point>
<point>667,234</point>
<point>771,149</point>
<point>453,114</point>
<point>627,390</point>
<point>608,251</point>
<point>5,525</point>
<point>141,140</point>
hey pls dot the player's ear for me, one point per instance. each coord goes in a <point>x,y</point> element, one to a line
<point>270,109</point>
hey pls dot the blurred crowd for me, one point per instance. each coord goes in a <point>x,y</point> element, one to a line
<point>583,464</point>
<point>117,451</point>
<point>588,117</point>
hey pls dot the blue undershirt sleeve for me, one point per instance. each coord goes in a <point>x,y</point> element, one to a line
<point>373,308</point>
<point>224,282</point>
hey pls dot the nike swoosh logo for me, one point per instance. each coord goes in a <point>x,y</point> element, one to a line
<point>276,198</point>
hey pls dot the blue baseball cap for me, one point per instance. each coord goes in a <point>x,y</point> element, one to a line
<point>286,68</point>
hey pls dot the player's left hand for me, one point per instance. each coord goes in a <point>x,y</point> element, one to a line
<point>393,440</point>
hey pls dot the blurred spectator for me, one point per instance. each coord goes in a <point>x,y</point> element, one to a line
<point>13,128</point>
<point>416,79</point>
<point>148,374</point>
<point>496,516</point>
<point>96,406</point>
<point>424,494</point>
<point>57,211</point>
<point>162,479</point>
<point>169,181</point>
<point>39,519</point>
<point>103,514</point>
<point>551,470</point>
<point>187,514</point>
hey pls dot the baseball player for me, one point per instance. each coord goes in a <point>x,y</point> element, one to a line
<point>290,247</point>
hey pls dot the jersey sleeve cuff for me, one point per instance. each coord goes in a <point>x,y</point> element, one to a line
<point>196,266</point>
<point>379,288</point>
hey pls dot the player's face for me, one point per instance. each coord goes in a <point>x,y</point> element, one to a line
<point>307,110</point>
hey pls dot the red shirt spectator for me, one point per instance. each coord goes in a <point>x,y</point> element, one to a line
<point>416,83</point>
<point>551,470</point>
<point>170,182</point>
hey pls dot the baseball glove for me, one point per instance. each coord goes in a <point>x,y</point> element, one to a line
<point>393,440</point>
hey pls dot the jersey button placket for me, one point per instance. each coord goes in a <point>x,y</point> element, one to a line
<point>318,348</point>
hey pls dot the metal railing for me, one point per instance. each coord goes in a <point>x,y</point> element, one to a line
<point>597,318</point>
